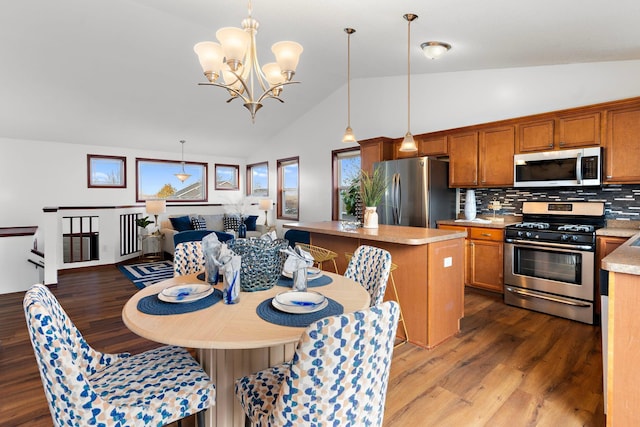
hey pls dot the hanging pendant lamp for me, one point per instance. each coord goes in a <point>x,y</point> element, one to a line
<point>349,137</point>
<point>183,176</point>
<point>408,144</point>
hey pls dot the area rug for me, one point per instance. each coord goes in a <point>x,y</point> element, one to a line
<point>147,273</point>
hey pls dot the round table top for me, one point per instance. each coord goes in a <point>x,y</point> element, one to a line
<point>235,326</point>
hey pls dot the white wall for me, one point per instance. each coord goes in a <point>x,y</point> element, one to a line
<point>438,101</point>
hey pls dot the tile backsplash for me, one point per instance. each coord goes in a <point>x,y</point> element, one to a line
<point>621,202</point>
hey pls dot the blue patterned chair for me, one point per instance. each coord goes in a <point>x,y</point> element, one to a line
<point>370,266</point>
<point>338,375</point>
<point>188,258</point>
<point>85,387</point>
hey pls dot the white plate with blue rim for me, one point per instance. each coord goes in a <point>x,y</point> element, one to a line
<point>312,273</point>
<point>296,302</point>
<point>186,292</point>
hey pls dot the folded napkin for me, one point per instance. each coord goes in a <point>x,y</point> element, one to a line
<point>298,258</point>
<point>211,249</point>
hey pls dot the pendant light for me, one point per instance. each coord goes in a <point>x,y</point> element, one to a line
<point>408,144</point>
<point>349,137</point>
<point>183,176</point>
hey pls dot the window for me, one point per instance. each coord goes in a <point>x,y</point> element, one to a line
<point>346,168</point>
<point>156,179</point>
<point>258,179</point>
<point>227,177</point>
<point>288,188</point>
<point>106,171</point>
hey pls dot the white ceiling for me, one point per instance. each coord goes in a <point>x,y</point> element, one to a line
<point>123,72</point>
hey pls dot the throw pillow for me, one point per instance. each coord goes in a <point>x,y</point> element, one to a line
<point>198,223</point>
<point>181,223</point>
<point>250,222</point>
<point>231,222</point>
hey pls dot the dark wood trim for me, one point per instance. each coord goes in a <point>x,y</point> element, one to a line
<point>169,204</point>
<point>205,179</point>
<point>28,230</point>
<point>37,252</point>
<point>280,202</point>
<point>37,264</point>
<point>100,156</point>
<point>249,180</point>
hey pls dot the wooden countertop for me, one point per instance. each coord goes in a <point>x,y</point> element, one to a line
<point>625,259</point>
<point>385,233</point>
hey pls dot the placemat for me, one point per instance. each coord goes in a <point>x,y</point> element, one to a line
<point>268,312</point>
<point>320,281</point>
<point>152,305</point>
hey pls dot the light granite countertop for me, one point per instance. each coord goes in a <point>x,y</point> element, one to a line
<point>506,220</point>
<point>625,259</point>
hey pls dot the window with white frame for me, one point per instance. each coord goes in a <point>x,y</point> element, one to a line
<point>288,188</point>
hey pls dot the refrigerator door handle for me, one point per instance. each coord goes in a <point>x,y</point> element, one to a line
<point>398,198</point>
<point>394,210</point>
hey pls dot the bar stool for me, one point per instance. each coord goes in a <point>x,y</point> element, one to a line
<point>348,256</point>
<point>320,255</point>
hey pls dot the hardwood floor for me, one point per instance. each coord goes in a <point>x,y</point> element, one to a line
<point>508,366</point>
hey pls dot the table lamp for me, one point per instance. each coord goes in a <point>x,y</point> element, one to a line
<point>155,207</point>
<point>265,205</point>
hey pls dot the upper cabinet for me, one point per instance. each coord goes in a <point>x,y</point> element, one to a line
<point>622,146</point>
<point>375,150</point>
<point>482,159</point>
<point>428,145</point>
<point>482,155</point>
<point>559,133</point>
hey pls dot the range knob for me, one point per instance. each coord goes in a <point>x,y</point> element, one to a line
<point>564,237</point>
<point>520,233</point>
<point>528,234</point>
<point>574,238</point>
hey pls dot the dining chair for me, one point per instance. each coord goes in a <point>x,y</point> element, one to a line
<point>320,255</point>
<point>405,338</point>
<point>370,266</point>
<point>86,387</point>
<point>188,258</point>
<point>338,375</point>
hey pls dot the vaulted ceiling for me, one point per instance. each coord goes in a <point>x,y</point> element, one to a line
<point>123,72</point>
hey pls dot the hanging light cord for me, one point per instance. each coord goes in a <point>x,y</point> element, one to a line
<point>349,32</point>
<point>409,75</point>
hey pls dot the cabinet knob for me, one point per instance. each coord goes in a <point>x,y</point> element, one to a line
<point>561,144</point>
<point>609,176</point>
<point>551,144</point>
<point>486,234</point>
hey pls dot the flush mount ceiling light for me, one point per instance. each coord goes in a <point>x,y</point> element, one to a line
<point>433,50</point>
<point>236,59</point>
<point>183,176</point>
<point>349,137</point>
<point>408,144</point>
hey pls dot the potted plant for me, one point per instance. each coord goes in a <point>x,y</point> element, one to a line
<point>143,223</point>
<point>372,189</point>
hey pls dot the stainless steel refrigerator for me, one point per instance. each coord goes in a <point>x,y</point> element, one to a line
<point>418,193</point>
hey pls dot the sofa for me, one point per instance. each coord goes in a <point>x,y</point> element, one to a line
<point>227,223</point>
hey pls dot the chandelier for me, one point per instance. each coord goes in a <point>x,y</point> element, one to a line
<point>182,176</point>
<point>235,58</point>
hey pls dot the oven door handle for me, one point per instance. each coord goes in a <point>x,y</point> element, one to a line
<point>550,245</point>
<point>546,297</point>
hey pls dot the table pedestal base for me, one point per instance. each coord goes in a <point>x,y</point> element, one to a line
<point>225,366</point>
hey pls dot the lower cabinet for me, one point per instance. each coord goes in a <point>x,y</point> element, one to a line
<point>484,257</point>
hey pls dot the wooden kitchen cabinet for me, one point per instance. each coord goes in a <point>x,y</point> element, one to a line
<point>495,156</point>
<point>482,159</point>
<point>428,145</point>
<point>375,150</point>
<point>604,246</point>
<point>559,133</point>
<point>463,160</point>
<point>484,257</point>
<point>622,146</point>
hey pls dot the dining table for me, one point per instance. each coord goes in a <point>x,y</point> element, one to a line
<point>233,340</point>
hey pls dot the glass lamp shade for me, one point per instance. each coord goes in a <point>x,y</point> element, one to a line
<point>182,176</point>
<point>234,42</point>
<point>211,57</point>
<point>433,50</point>
<point>273,74</point>
<point>287,55</point>
<point>155,206</point>
<point>265,205</point>
<point>230,79</point>
<point>408,144</point>
<point>349,136</point>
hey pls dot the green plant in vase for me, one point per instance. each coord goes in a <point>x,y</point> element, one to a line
<point>372,188</point>
<point>143,223</point>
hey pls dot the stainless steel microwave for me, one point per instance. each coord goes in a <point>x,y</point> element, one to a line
<point>579,167</point>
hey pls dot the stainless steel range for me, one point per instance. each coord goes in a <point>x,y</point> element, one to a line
<point>549,258</point>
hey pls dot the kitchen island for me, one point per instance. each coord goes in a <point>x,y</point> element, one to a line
<point>429,277</point>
